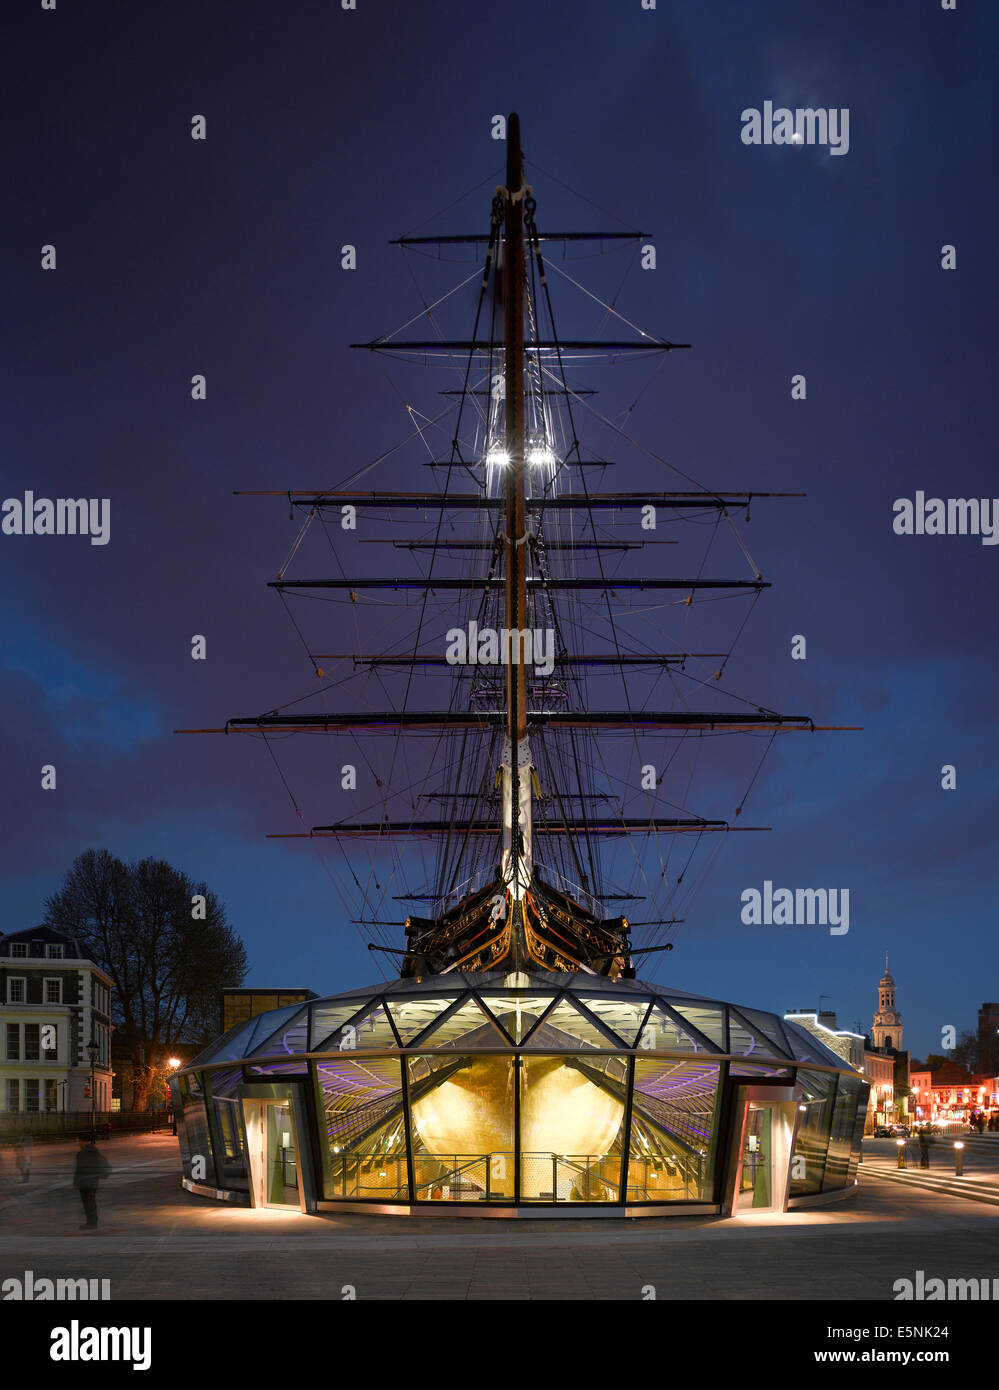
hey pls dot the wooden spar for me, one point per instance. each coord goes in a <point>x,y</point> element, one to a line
<point>334,498</point>
<point>414,829</point>
<point>433,722</point>
<point>580,659</point>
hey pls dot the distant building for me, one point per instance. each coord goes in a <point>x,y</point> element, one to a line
<point>887,1029</point>
<point>879,1068</point>
<point>822,1025</point>
<point>54,1003</point>
<point>988,1020</point>
<point>948,1093</point>
<point>886,1043</point>
<point>239,1005</point>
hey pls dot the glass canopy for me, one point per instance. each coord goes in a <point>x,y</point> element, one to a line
<point>539,1089</point>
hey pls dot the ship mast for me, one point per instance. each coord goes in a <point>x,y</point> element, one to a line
<point>516,772</point>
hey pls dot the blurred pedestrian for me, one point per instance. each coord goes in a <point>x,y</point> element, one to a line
<point>24,1154</point>
<point>924,1149</point>
<point>91,1168</point>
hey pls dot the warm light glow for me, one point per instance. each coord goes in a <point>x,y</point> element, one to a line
<point>174,1062</point>
<point>561,1112</point>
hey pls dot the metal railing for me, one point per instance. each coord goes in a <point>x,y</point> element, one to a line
<point>67,1124</point>
<point>545,1177</point>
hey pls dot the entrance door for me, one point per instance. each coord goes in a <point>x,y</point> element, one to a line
<point>756,1179</point>
<point>270,1136</point>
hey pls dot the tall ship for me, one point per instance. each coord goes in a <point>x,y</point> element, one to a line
<point>511,655</point>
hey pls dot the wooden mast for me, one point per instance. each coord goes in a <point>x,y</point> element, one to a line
<point>515,616</point>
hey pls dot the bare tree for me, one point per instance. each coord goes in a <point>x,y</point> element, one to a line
<point>166,944</point>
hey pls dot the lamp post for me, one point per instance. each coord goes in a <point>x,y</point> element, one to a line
<point>174,1063</point>
<point>92,1052</point>
<point>959,1159</point>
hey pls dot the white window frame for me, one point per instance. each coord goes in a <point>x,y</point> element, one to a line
<point>19,950</point>
<point>53,950</point>
<point>12,980</point>
<point>52,980</point>
<point>13,1091</point>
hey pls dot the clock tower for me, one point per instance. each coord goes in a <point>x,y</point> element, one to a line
<point>887,1030</point>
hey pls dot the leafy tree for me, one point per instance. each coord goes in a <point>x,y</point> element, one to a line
<point>137,922</point>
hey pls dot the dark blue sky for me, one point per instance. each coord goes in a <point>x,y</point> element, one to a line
<point>222,257</point>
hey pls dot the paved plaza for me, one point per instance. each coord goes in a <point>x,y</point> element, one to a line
<point>156,1241</point>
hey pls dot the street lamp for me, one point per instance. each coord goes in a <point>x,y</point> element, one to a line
<point>173,1063</point>
<point>92,1051</point>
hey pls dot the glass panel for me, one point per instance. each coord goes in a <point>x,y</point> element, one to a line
<point>517,1013</point>
<point>812,1139</point>
<point>411,1016</point>
<point>571,1128</point>
<point>265,1026</point>
<point>623,1016</point>
<point>373,1030</point>
<point>844,1122</point>
<point>864,1091</point>
<point>769,1026</point>
<point>468,1027</point>
<point>744,1040</point>
<point>282,1159</point>
<point>803,1046</point>
<point>673,1130</point>
<point>328,1018</point>
<point>661,1034</point>
<point>756,1173</point>
<point>462,1136</point>
<point>229,1046</point>
<point>289,1034</point>
<point>710,1022</point>
<point>192,1131</point>
<point>566,1027</point>
<point>362,1137</point>
<point>223,1088</point>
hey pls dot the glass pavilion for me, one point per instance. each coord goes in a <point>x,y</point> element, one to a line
<point>507,1094</point>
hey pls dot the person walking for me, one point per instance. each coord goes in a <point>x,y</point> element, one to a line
<point>24,1153</point>
<point>91,1168</point>
<point>924,1149</point>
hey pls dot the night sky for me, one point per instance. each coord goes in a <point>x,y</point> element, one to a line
<point>222,257</point>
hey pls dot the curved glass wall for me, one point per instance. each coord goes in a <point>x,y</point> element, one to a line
<point>478,1092</point>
